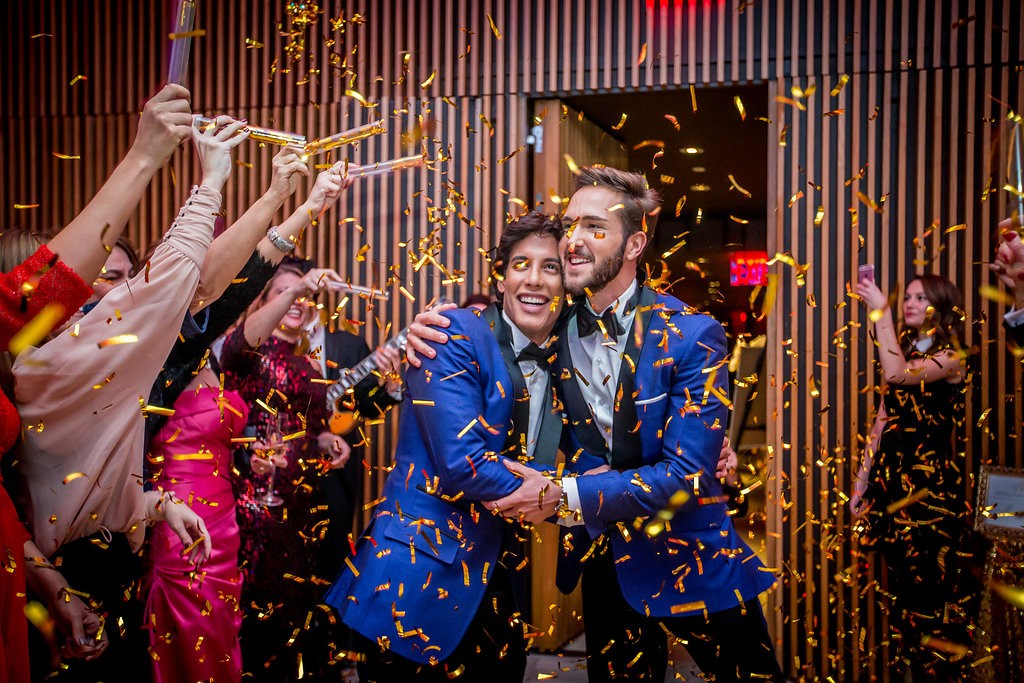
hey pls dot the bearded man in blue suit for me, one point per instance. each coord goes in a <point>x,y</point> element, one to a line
<point>431,581</point>
<point>643,379</point>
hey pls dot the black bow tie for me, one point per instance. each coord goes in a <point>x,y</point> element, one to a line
<point>586,323</point>
<point>535,353</point>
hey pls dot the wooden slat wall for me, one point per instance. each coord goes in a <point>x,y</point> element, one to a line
<point>941,74</point>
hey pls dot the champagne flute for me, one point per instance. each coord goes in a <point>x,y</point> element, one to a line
<point>272,442</point>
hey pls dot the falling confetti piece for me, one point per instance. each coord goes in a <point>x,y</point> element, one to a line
<point>251,43</point>
<point>795,103</point>
<point>67,157</point>
<point>643,55</point>
<point>37,328</point>
<point>649,143</point>
<point>819,216</point>
<point>494,27</point>
<point>795,198</point>
<point>741,190</point>
<point>693,97</point>
<point>571,164</point>
<point>783,134</point>
<point>620,124</point>
<point>870,202</point>
<point>78,78</point>
<point>740,108</point>
<point>843,80</point>
<point>74,475</point>
<point>198,33</point>
<point>834,112</point>
<point>118,339</point>
<point>509,156</point>
<point>430,79</point>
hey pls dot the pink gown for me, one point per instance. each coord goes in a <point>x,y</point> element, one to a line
<point>196,617</point>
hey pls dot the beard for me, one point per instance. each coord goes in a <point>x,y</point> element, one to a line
<point>600,275</point>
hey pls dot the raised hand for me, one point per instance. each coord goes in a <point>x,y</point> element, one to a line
<point>871,295</point>
<point>214,145</point>
<point>288,166</point>
<point>423,330</point>
<point>166,121</point>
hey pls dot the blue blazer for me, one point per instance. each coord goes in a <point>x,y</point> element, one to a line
<point>420,569</point>
<point>669,426</point>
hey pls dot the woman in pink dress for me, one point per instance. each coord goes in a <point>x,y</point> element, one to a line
<point>195,612</point>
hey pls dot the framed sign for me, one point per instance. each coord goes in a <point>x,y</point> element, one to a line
<point>1000,503</point>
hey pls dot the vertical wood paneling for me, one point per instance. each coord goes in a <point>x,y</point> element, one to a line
<point>938,89</point>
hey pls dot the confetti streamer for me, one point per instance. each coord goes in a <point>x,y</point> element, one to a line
<point>843,80</point>
<point>37,328</point>
<point>494,27</point>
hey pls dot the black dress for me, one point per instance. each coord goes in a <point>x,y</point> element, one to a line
<point>919,519</point>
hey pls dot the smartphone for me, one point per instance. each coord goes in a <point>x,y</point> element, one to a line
<point>866,272</point>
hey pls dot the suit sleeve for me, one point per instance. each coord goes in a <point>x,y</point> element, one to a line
<point>447,402</point>
<point>691,443</point>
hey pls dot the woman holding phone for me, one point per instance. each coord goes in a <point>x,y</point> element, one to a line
<point>910,495</point>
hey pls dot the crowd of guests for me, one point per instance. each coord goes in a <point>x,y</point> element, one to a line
<point>176,499</point>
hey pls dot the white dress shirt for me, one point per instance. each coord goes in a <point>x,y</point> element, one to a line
<point>598,360</point>
<point>538,382</point>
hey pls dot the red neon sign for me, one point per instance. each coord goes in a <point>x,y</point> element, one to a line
<point>748,268</point>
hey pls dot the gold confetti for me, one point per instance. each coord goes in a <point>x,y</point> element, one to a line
<point>430,79</point>
<point>795,198</point>
<point>571,163</point>
<point>37,328</point>
<point>783,134</point>
<point>870,202</point>
<point>843,80</point>
<point>118,339</point>
<point>819,216</point>
<point>251,43</point>
<point>506,158</point>
<point>74,475</point>
<point>693,96</point>
<point>26,206</point>
<point>620,124</point>
<point>649,143</point>
<point>740,108</point>
<point>643,55</point>
<point>736,186</point>
<point>198,33</point>
<point>78,78</point>
<point>494,27</point>
<point>67,157</point>
<point>834,112</point>
<point>795,103</point>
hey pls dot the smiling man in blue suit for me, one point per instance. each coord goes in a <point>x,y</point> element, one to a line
<point>642,377</point>
<point>430,582</point>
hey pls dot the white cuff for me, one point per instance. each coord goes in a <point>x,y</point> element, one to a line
<point>572,497</point>
<point>1014,317</point>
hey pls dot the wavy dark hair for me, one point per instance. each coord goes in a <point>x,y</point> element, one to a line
<point>945,322</point>
<point>531,223</point>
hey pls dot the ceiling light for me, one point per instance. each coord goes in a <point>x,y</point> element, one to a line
<point>699,169</point>
<point>692,150</point>
<point>700,187</point>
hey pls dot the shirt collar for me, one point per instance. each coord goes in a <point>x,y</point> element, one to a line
<point>922,344</point>
<point>519,340</point>
<point>620,305</point>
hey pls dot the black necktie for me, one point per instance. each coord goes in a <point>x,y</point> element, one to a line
<point>586,323</point>
<point>535,353</point>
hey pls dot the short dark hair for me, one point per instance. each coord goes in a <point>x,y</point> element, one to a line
<point>531,223</point>
<point>640,203</point>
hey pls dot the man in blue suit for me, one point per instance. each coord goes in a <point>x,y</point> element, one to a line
<point>431,580</point>
<point>642,378</point>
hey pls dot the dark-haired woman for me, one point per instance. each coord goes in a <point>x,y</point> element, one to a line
<point>910,492</point>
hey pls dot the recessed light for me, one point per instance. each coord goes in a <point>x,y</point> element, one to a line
<point>700,187</point>
<point>699,169</point>
<point>692,150</point>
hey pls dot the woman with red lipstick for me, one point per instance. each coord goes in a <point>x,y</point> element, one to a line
<point>910,495</point>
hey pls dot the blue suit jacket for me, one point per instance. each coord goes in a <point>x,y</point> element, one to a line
<point>420,570</point>
<point>669,426</point>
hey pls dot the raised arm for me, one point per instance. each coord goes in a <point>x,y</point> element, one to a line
<point>85,243</point>
<point>261,323</point>
<point>232,248</point>
<point>860,482</point>
<point>895,367</point>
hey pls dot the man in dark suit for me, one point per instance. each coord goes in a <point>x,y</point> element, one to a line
<point>341,489</point>
<point>643,378</point>
<point>431,584</point>
<point>1009,266</point>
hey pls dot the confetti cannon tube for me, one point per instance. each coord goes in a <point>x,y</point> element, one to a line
<point>383,167</point>
<point>184,19</point>
<point>268,135</point>
<point>379,294</point>
<point>345,138</point>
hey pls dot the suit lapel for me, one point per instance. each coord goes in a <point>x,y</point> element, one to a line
<point>581,420</point>
<point>627,451</point>
<point>515,443</point>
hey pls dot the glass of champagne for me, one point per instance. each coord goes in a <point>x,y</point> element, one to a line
<point>272,444</point>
